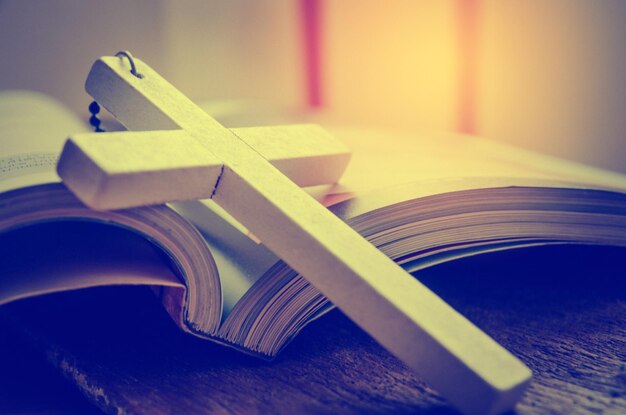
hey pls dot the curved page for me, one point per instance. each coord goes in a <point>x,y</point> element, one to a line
<point>55,257</point>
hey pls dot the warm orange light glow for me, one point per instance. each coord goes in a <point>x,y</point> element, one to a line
<point>391,63</point>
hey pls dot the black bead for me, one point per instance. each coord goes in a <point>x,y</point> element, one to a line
<point>93,120</point>
<point>94,108</point>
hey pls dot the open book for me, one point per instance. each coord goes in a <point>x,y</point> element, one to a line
<point>423,199</point>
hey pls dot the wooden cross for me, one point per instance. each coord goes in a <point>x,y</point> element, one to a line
<point>183,153</point>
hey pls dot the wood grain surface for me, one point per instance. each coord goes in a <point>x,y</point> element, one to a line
<point>561,310</point>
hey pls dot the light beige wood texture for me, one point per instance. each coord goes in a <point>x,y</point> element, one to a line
<point>168,165</point>
<point>471,370</point>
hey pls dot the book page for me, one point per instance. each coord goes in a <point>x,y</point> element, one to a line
<point>383,159</point>
<point>241,260</point>
<point>33,128</point>
<point>78,254</point>
<point>69,255</point>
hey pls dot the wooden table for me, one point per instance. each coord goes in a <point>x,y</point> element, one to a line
<point>561,310</point>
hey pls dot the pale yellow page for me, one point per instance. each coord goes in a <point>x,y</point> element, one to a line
<point>33,128</point>
<point>382,159</point>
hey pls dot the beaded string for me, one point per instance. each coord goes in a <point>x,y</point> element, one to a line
<point>94,109</point>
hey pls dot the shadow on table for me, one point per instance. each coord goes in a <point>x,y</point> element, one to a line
<point>562,310</point>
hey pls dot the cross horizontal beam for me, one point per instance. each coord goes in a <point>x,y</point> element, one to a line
<point>169,165</point>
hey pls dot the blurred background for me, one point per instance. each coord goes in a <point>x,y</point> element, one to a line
<point>547,75</point>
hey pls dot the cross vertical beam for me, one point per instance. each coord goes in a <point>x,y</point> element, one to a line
<point>470,369</point>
